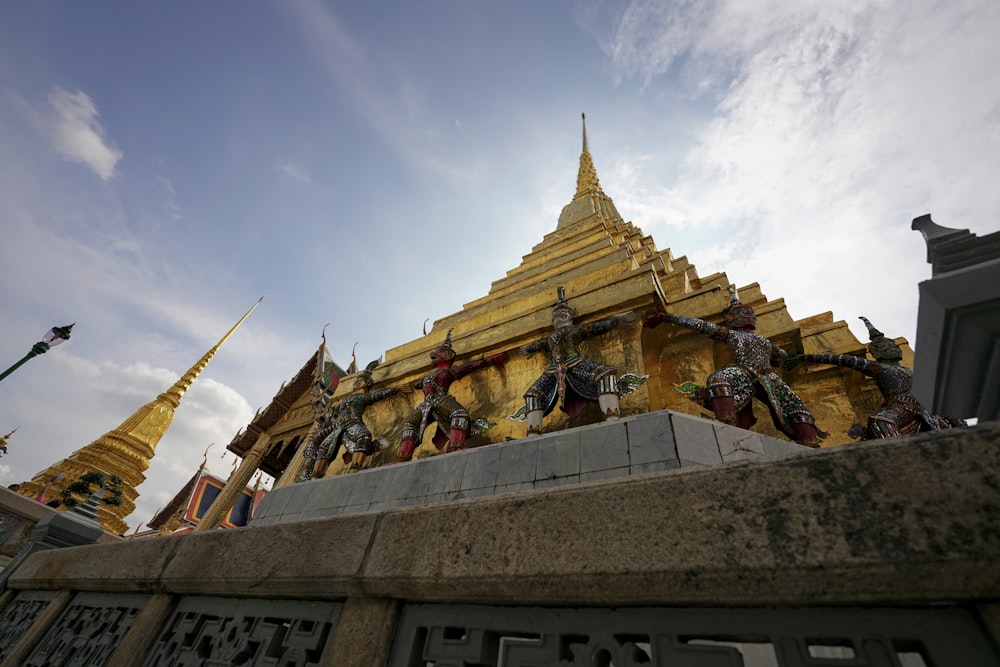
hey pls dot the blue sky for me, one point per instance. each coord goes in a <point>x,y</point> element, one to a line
<point>163,165</point>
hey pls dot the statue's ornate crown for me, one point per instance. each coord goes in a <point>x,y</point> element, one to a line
<point>881,346</point>
<point>562,303</point>
<point>737,309</point>
<point>446,348</point>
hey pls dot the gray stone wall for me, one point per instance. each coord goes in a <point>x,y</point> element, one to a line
<point>872,527</point>
<point>648,443</point>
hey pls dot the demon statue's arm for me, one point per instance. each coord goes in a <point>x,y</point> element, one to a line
<point>869,368</point>
<point>462,370</point>
<point>534,346</point>
<point>601,327</point>
<point>713,331</point>
<point>380,395</point>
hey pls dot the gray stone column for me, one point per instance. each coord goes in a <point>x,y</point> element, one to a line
<point>364,633</point>
<point>144,631</point>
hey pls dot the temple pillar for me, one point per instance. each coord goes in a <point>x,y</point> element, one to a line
<point>235,485</point>
<point>295,465</point>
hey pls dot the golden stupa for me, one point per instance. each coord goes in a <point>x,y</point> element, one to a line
<point>125,451</point>
<point>607,266</point>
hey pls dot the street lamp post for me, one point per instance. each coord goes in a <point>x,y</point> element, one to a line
<point>55,336</point>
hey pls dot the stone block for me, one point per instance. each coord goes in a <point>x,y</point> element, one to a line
<point>314,514</point>
<point>650,438</point>
<point>416,482</point>
<point>381,506</point>
<point>742,455</point>
<point>301,497</point>
<point>655,466</point>
<point>438,498</point>
<point>602,446</point>
<point>558,456</point>
<point>607,473</point>
<point>551,482</point>
<point>482,468</point>
<point>337,511</point>
<point>341,487</point>
<point>474,493</point>
<point>365,484</point>
<point>274,503</point>
<point>517,462</point>
<point>737,444</point>
<point>695,439</point>
<point>327,493</point>
<point>390,487</point>
<point>445,472</point>
<point>776,448</point>
<point>516,488</point>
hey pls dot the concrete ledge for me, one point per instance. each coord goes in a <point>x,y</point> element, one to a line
<point>237,563</point>
<point>907,521</point>
<point>651,442</point>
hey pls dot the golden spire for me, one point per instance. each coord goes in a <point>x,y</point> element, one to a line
<point>175,392</point>
<point>589,206</point>
<point>586,179</point>
<point>127,450</point>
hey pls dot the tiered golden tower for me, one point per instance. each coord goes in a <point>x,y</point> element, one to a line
<point>608,266</point>
<point>125,451</point>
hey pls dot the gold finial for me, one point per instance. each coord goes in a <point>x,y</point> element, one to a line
<point>586,179</point>
<point>5,439</point>
<point>353,368</point>
<point>204,458</point>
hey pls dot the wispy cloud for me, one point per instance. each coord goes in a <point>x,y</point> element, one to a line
<point>834,125</point>
<point>171,207</point>
<point>293,170</point>
<point>77,134</point>
<point>395,107</point>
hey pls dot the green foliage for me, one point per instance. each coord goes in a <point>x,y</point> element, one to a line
<point>83,487</point>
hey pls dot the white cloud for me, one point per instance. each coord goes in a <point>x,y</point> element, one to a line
<point>77,134</point>
<point>835,125</point>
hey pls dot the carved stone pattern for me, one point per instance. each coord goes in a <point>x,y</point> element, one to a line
<point>89,631</point>
<point>218,631</point>
<point>465,636</point>
<point>18,616</point>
